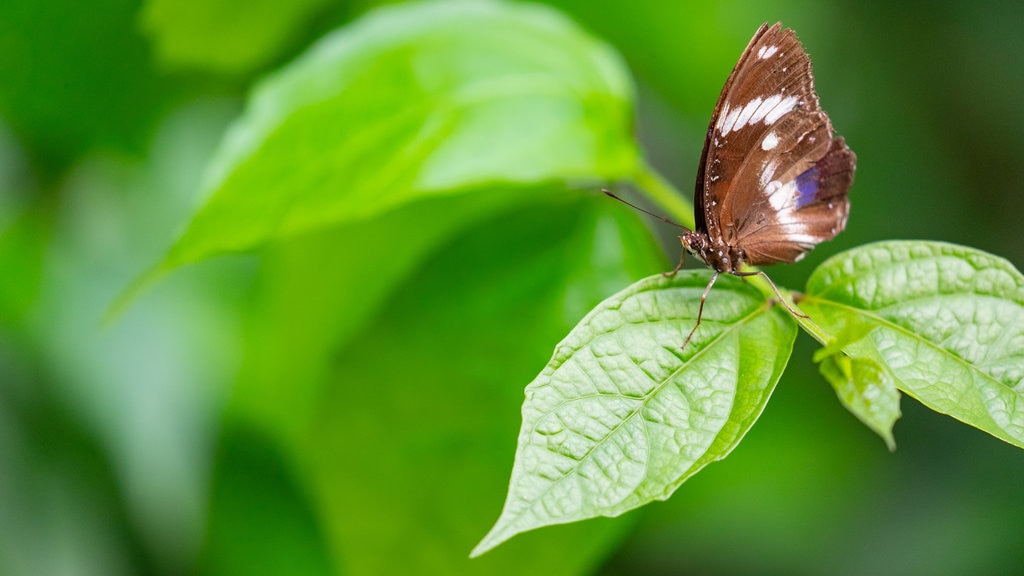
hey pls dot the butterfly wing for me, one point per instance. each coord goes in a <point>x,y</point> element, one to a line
<point>773,180</point>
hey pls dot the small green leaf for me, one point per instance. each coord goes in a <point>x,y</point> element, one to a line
<point>849,362</point>
<point>865,389</point>
<point>948,326</point>
<point>411,102</point>
<point>621,416</point>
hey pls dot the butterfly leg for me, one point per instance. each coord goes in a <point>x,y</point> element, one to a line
<point>700,311</point>
<point>776,289</point>
<point>677,268</point>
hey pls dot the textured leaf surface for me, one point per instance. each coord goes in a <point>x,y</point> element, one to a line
<point>948,324</point>
<point>413,102</point>
<point>621,416</point>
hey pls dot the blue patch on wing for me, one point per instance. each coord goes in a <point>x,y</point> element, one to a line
<point>807,187</point>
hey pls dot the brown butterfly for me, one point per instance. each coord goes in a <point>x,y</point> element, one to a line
<point>773,178</point>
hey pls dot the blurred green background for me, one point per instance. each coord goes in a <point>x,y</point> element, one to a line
<point>179,440</point>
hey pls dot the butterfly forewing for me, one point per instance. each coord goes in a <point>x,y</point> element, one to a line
<point>773,181</point>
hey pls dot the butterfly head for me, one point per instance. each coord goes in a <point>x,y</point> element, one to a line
<point>720,257</point>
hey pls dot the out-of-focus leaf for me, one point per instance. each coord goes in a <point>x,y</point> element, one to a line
<point>251,485</point>
<point>412,427</point>
<point>22,245</point>
<point>148,389</point>
<point>948,325</point>
<point>319,289</point>
<point>621,416</point>
<point>224,36</point>
<point>411,102</point>
<point>77,75</point>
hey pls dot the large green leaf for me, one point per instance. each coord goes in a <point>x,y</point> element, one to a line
<point>411,102</point>
<point>622,416</point>
<point>948,324</point>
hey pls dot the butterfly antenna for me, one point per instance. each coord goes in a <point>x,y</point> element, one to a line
<point>648,212</point>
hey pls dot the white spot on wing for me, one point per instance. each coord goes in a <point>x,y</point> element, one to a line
<point>768,171</point>
<point>777,195</point>
<point>765,107</point>
<point>770,142</point>
<point>768,110</point>
<point>767,51</point>
<point>728,121</point>
<point>780,110</point>
<point>748,111</point>
<point>782,197</point>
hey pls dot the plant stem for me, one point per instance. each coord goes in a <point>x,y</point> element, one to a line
<point>813,329</point>
<point>664,194</point>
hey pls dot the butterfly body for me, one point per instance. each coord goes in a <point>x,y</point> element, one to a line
<point>719,256</point>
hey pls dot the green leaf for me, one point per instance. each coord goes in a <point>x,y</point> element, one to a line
<point>76,77</point>
<point>621,416</point>
<point>849,362</point>
<point>411,102</point>
<point>224,36</point>
<point>315,296</point>
<point>866,390</point>
<point>948,325</point>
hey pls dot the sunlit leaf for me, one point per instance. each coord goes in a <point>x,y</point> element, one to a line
<point>947,324</point>
<point>412,102</point>
<point>621,416</point>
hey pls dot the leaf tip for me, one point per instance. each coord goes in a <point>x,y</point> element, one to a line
<point>496,536</point>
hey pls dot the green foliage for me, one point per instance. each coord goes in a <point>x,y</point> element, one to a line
<point>418,192</point>
<point>62,105</point>
<point>947,322</point>
<point>620,416</point>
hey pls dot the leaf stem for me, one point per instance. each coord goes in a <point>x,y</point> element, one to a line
<point>811,327</point>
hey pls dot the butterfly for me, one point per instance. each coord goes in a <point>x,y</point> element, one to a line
<point>773,177</point>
